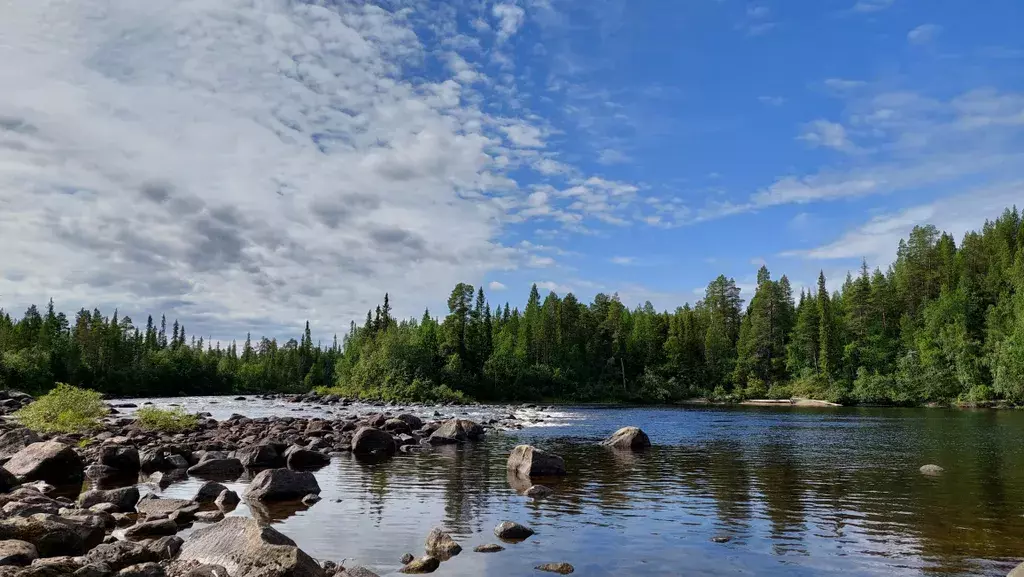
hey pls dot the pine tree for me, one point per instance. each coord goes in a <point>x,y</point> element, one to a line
<point>828,337</point>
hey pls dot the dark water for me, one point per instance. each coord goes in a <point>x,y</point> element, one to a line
<point>798,491</point>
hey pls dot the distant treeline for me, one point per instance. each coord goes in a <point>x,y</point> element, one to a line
<point>944,323</point>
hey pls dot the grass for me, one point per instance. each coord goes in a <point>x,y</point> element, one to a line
<point>167,420</point>
<point>65,409</point>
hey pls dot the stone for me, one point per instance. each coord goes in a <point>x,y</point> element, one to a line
<point>148,529</point>
<point>459,429</point>
<point>281,485</point>
<point>97,472</point>
<point>165,547</point>
<point>209,516</point>
<point>262,456</point>
<point>509,531</point>
<point>94,570</point>
<point>123,499</point>
<point>142,570</point>
<point>15,440</point>
<point>226,468</point>
<point>301,458</point>
<point>176,461</point>
<point>407,558</point>
<point>1018,571</point>
<point>121,554</point>
<point>49,461</point>
<point>932,470</point>
<point>52,535</point>
<point>122,458</point>
<point>368,440</point>
<point>153,506</point>
<point>413,421</point>
<point>17,552</point>
<point>7,480</point>
<point>425,564</point>
<point>489,548</point>
<point>538,491</point>
<point>243,547</point>
<point>560,568</point>
<point>628,438</point>
<point>721,539</point>
<point>527,461</point>
<point>356,572</point>
<point>311,499</point>
<point>227,500</point>
<point>441,544</point>
<point>209,492</point>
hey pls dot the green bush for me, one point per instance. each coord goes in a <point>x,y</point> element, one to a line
<point>167,420</point>
<point>65,409</point>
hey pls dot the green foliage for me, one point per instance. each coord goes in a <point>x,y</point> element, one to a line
<point>65,409</point>
<point>174,420</point>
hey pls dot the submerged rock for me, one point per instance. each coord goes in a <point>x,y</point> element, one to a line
<point>489,548</point>
<point>509,531</point>
<point>527,461</point>
<point>932,470</point>
<point>629,438</point>
<point>243,547</point>
<point>560,568</point>
<point>281,485</point>
<point>538,491</point>
<point>441,544</point>
<point>425,564</point>
<point>370,440</point>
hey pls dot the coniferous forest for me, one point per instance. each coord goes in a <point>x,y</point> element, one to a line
<point>944,323</point>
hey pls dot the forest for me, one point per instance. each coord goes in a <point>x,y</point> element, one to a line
<point>944,323</point>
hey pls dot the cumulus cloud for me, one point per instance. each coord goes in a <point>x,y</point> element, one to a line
<point>496,286</point>
<point>510,18</point>
<point>828,134</point>
<point>924,34</point>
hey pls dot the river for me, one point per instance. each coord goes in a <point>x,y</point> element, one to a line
<point>794,491</point>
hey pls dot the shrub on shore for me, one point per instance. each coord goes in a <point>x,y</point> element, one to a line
<point>65,409</point>
<point>168,420</point>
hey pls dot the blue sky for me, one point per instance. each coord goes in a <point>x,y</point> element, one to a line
<point>242,164</point>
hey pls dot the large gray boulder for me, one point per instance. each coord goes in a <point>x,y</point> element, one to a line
<point>262,456</point>
<point>124,498</point>
<point>509,531</point>
<point>49,461</point>
<point>461,430</point>
<point>121,554</point>
<point>17,553</point>
<point>426,564</point>
<point>209,492</point>
<point>124,459</point>
<point>228,468</point>
<point>281,485</point>
<point>629,438</point>
<point>441,544</point>
<point>153,506</point>
<point>244,548</point>
<point>148,529</point>
<point>302,458</point>
<point>526,461</point>
<point>15,440</point>
<point>52,535</point>
<point>371,440</point>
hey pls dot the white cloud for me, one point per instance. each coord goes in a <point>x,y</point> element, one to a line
<point>612,156</point>
<point>244,166</point>
<point>827,134</point>
<point>873,5</point>
<point>772,100</point>
<point>560,289</point>
<point>924,34</point>
<point>496,286</point>
<point>537,261</point>
<point>622,260</point>
<point>510,18</point>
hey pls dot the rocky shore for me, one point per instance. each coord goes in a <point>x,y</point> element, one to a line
<point>49,526</point>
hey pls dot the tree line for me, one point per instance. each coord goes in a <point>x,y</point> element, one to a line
<point>943,323</point>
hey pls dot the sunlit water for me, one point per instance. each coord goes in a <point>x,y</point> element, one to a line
<point>797,491</point>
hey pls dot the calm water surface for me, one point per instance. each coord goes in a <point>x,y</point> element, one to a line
<point>798,491</point>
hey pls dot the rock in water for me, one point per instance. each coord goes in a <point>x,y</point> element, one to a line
<point>369,440</point>
<point>124,499</point>
<point>124,459</point>
<point>229,468</point>
<point>560,568</point>
<point>459,429</point>
<point>48,461</point>
<point>509,531</point>
<point>15,440</point>
<point>527,461</point>
<point>242,547</point>
<point>281,485</point>
<point>1018,571</point>
<point>538,491</point>
<point>630,438</point>
<point>441,544</point>
<point>53,536</point>
<point>148,529</point>
<point>932,470</point>
<point>227,499</point>
<point>301,458</point>
<point>17,553</point>
<point>356,572</point>
<point>489,548</point>
<point>154,506</point>
<point>262,456</point>
<point>407,558</point>
<point>425,564</point>
<point>209,492</point>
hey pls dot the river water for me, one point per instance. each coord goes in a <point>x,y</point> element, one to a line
<point>817,491</point>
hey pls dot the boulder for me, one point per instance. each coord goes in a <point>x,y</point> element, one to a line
<point>413,421</point>
<point>560,568</point>
<point>227,468</point>
<point>124,459</point>
<point>489,548</point>
<point>98,472</point>
<point>121,554</point>
<point>17,553</point>
<point>425,564</point>
<point>537,491</point>
<point>396,427</point>
<point>7,480</point>
<point>153,460</point>
<point>15,440</point>
<point>301,458</point>
<point>52,535</point>
<point>932,470</point>
<point>628,438</point>
<point>209,492</point>
<point>509,531</point>
<point>176,461</point>
<point>441,544</point>
<point>527,461</point>
<point>1018,571</point>
<point>356,572</point>
<point>243,548</point>
<point>227,499</point>
<point>148,529</point>
<point>459,429</point>
<point>94,569</point>
<point>49,461</point>
<point>153,506</point>
<point>165,547</point>
<point>142,570</point>
<point>370,440</point>
<point>281,485</point>
<point>124,499</point>
<point>262,456</point>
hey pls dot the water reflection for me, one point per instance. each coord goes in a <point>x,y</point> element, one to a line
<point>796,492</point>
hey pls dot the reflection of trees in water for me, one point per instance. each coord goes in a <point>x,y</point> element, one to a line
<point>781,482</point>
<point>729,480</point>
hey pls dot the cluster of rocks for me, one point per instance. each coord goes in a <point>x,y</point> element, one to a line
<point>11,401</point>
